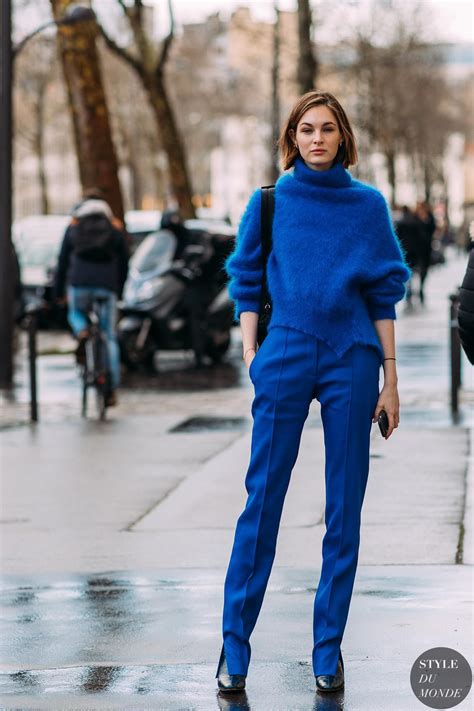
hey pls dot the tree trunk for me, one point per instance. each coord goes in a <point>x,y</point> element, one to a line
<point>427,178</point>
<point>39,147</point>
<point>171,142</point>
<point>392,176</point>
<point>98,165</point>
<point>136,190</point>
<point>150,70</point>
<point>275,172</point>
<point>307,64</point>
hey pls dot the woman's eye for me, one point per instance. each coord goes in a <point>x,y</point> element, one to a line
<point>308,130</point>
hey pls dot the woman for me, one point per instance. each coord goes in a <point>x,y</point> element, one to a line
<point>334,275</point>
<point>426,229</point>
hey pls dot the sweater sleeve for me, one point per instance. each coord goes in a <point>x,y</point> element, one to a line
<point>386,271</point>
<point>244,266</point>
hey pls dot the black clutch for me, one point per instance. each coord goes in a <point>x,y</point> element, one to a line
<point>265,308</point>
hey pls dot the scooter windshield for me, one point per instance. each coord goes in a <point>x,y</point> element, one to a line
<point>155,254</point>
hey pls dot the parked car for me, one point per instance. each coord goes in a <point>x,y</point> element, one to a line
<point>210,215</point>
<point>214,225</point>
<point>37,240</point>
<point>139,224</point>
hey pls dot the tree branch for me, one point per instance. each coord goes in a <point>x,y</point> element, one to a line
<point>166,42</point>
<point>124,7</point>
<point>120,51</point>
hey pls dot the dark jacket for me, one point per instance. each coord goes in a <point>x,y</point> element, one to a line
<point>466,309</point>
<point>408,230</point>
<point>80,272</point>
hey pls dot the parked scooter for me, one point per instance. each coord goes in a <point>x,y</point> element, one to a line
<point>176,295</point>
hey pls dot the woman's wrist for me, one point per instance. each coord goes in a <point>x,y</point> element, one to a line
<point>390,371</point>
<point>390,379</point>
<point>247,350</point>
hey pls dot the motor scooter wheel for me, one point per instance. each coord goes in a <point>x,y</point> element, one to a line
<point>135,358</point>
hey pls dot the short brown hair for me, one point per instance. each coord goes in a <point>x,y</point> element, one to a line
<point>347,153</point>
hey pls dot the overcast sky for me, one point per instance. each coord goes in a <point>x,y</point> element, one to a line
<point>452,20</point>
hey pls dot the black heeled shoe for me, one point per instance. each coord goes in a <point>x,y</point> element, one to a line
<point>332,682</point>
<point>226,681</point>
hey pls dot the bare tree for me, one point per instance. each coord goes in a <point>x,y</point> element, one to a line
<point>402,94</point>
<point>95,150</point>
<point>149,63</point>
<point>33,75</point>
<point>307,63</point>
<point>133,130</point>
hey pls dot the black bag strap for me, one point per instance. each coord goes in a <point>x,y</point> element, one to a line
<point>267,212</point>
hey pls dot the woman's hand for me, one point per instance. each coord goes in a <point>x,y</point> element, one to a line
<point>249,356</point>
<point>389,401</point>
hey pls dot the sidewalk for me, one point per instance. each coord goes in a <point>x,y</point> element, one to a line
<point>115,539</point>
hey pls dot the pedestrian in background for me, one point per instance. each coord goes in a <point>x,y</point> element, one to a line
<point>335,273</point>
<point>408,230</point>
<point>427,226</point>
<point>93,261</point>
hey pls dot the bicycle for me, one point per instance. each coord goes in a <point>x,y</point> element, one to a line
<point>96,366</point>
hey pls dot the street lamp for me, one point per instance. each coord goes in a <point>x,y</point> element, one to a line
<point>77,13</point>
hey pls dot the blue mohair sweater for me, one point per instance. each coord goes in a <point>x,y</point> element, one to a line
<point>336,264</point>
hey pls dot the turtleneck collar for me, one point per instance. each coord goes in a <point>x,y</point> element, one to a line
<point>334,177</point>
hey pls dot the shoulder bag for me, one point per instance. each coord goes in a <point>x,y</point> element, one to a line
<point>267,211</point>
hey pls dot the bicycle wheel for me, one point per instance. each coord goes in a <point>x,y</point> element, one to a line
<point>102,375</point>
<point>87,372</point>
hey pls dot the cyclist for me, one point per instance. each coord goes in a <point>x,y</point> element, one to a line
<point>93,261</point>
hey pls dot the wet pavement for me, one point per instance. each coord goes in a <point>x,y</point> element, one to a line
<point>115,536</point>
<point>109,641</point>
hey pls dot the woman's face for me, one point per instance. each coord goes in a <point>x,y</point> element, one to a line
<point>317,137</point>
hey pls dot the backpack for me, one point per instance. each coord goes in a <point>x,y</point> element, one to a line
<point>267,211</point>
<point>94,238</point>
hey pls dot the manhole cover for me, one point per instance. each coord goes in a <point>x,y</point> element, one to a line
<point>200,424</point>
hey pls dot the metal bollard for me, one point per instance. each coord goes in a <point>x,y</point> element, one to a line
<point>31,323</point>
<point>455,353</point>
<point>32,326</point>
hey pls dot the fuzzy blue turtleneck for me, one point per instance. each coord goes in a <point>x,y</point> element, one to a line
<point>336,264</point>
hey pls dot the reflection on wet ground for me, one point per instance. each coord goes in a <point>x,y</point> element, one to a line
<point>130,640</point>
<point>158,686</point>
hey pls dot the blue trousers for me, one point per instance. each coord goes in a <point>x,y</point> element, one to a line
<point>288,371</point>
<point>79,298</point>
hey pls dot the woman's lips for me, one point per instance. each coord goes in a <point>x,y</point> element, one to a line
<point>318,150</point>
